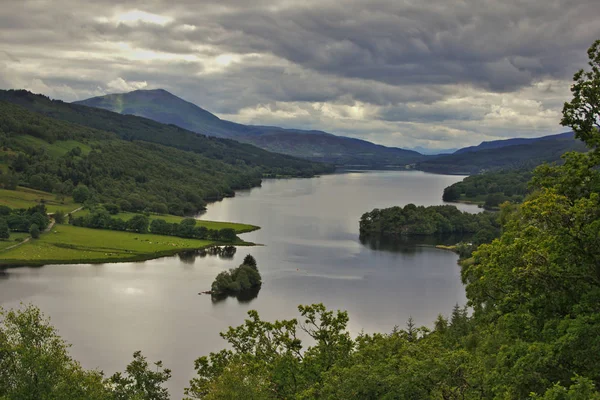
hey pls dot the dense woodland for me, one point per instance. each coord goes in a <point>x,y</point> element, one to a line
<point>412,220</point>
<point>531,330</point>
<point>491,188</point>
<point>97,166</point>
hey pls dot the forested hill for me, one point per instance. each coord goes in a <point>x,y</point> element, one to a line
<point>527,155</point>
<point>129,127</point>
<point>162,106</point>
<point>57,156</point>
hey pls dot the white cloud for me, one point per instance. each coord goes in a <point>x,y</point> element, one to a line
<point>367,69</point>
<point>121,85</point>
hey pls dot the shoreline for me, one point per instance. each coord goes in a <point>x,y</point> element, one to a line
<point>134,258</point>
<point>124,258</point>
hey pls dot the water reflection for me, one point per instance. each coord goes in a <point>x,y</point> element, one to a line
<point>243,297</point>
<point>412,244</point>
<point>223,252</point>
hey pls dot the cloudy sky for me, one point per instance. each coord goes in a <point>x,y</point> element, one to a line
<point>436,73</point>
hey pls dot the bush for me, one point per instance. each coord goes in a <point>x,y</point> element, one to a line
<point>81,193</point>
<point>59,217</point>
<point>4,231</point>
<point>34,231</point>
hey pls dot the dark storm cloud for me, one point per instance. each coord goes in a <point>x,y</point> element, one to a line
<point>385,69</point>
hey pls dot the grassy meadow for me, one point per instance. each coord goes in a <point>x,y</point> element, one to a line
<point>25,198</point>
<point>70,244</point>
<point>15,238</point>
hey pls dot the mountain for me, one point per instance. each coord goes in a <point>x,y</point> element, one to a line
<point>504,154</point>
<point>162,106</point>
<point>496,144</point>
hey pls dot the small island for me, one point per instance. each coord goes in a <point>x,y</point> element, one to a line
<point>433,222</point>
<point>237,280</point>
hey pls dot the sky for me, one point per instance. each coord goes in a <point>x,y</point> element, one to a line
<point>405,73</point>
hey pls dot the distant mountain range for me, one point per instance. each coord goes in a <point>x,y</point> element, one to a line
<point>164,107</point>
<point>504,154</point>
<point>496,144</point>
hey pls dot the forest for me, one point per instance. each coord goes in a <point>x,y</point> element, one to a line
<point>412,220</point>
<point>98,167</point>
<point>491,188</point>
<point>530,328</point>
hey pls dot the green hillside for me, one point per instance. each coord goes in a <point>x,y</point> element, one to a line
<point>132,128</point>
<point>57,156</point>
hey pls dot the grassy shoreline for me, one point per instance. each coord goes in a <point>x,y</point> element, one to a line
<point>66,244</point>
<point>5,264</point>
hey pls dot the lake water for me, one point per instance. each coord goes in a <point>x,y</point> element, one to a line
<point>311,254</point>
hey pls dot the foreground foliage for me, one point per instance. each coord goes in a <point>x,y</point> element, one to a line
<point>35,365</point>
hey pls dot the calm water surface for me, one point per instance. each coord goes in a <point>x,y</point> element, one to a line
<point>311,254</point>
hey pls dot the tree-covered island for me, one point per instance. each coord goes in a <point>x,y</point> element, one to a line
<point>236,280</point>
<point>418,221</point>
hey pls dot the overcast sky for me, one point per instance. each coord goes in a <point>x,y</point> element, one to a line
<point>436,73</point>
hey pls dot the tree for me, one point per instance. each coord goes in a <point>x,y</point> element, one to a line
<point>139,224</point>
<point>450,194</point>
<point>59,216</point>
<point>34,231</point>
<point>227,235</point>
<point>81,193</point>
<point>582,113</point>
<point>41,220</point>
<point>35,363</point>
<point>250,261</point>
<point>4,230</point>
<point>112,209</point>
<point>139,382</point>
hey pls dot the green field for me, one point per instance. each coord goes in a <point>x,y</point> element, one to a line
<point>15,238</point>
<point>70,244</point>
<point>25,198</point>
<point>57,149</point>
<point>173,219</point>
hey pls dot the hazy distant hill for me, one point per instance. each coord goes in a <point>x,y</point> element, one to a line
<point>432,152</point>
<point>165,107</point>
<point>504,154</point>
<point>496,144</point>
